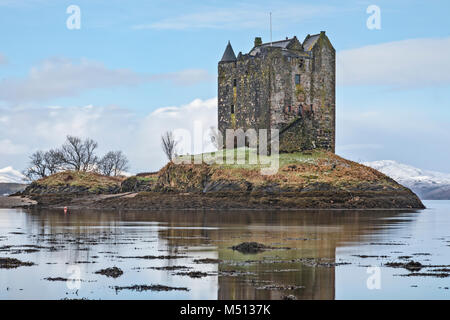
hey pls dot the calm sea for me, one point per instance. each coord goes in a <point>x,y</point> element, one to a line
<point>316,254</point>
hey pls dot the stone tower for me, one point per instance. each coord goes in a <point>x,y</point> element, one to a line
<point>285,85</point>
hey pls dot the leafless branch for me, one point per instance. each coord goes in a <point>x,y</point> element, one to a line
<point>168,144</point>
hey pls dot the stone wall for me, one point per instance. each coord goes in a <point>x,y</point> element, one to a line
<point>323,93</point>
<point>249,97</point>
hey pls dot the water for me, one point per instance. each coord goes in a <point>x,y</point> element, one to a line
<point>79,244</point>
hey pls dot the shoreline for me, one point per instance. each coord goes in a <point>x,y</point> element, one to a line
<point>161,201</point>
<point>12,202</point>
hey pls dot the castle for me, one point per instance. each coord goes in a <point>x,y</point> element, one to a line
<point>285,85</point>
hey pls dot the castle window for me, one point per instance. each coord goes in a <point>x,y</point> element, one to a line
<point>234,83</point>
<point>232,109</point>
<point>297,79</point>
<point>289,109</point>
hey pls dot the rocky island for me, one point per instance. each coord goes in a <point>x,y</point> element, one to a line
<point>315,179</point>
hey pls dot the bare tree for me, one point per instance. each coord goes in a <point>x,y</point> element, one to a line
<point>168,144</point>
<point>79,155</point>
<point>89,159</point>
<point>37,168</point>
<point>75,154</point>
<point>106,164</point>
<point>53,160</point>
<point>72,153</point>
<point>113,163</point>
<point>43,164</point>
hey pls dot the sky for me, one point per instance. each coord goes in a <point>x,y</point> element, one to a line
<point>135,69</point>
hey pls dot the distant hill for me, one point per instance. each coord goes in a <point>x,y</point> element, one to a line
<point>11,181</point>
<point>428,185</point>
<point>10,188</point>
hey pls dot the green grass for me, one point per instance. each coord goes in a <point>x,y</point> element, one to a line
<point>240,158</point>
<point>147,179</point>
<point>90,180</point>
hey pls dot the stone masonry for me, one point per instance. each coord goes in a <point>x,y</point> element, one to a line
<point>285,85</point>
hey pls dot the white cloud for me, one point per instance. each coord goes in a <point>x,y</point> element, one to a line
<point>7,147</point>
<point>174,118</point>
<point>61,77</point>
<point>399,64</point>
<point>10,175</point>
<point>240,16</point>
<point>58,77</point>
<point>409,137</point>
<point>28,130</point>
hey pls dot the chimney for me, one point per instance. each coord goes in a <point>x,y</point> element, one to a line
<point>258,41</point>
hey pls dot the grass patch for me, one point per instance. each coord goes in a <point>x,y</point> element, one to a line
<point>247,158</point>
<point>297,169</point>
<point>91,180</point>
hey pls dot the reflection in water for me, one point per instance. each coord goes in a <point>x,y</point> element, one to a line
<point>309,244</point>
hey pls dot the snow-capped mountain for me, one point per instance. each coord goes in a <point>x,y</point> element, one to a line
<point>426,184</point>
<point>9,175</point>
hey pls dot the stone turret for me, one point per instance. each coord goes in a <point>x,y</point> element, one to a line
<point>228,55</point>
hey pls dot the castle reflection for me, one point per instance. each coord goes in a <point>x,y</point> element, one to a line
<point>309,236</point>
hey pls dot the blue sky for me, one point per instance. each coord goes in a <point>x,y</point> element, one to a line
<point>132,59</point>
